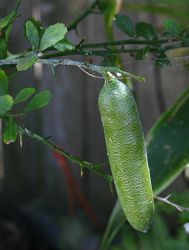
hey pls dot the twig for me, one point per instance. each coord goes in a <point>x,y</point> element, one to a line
<point>71,157</point>
<point>121,42</point>
<point>68,62</point>
<point>181,209</point>
<point>86,12</point>
<point>17,5</point>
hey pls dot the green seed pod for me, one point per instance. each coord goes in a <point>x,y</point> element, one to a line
<point>127,153</point>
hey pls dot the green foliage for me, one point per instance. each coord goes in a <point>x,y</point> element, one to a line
<point>161,61</point>
<point>42,39</point>
<point>64,45</point>
<point>3,49</point>
<point>109,61</point>
<point>40,30</point>
<point>52,35</point>
<point>6,20</point>
<point>172,26</point>
<point>4,83</point>
<point>5,28</point>
<point>6,103</point>
<point>10,132</point>
<point>124,24</point>
<point>40,100</point>
<point>142,53</point>
<point>27,62</point>
<point>146,30</point>
<point>31,33</point>
<point>23,95</point>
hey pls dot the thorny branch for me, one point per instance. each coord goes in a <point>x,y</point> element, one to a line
<point>181,209</point>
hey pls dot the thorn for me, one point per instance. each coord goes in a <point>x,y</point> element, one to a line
<point>167,197</point>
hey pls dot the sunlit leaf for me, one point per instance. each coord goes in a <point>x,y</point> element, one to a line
<point>64,45</point>
<point>6,20</point>
<point>10,132</point>
<point>6,103</point>
<point>52,35</point>
<point>124,24</point>
<point>23,95</point>
<point>4,83</point>
<point>27,62</point>
<point>39,101</point>
<point>32,34</point>
<point>39,27</point>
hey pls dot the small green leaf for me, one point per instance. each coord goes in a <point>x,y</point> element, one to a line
<point>146,30</point>
<point>3,49</point>
<point>162,61</point>
<point>64,45</point>
<point>23,95</point>
<point>142,53</point>
<point>39,27</point>
<point>6,20</point>
<point>172,26</point>
<point>27,62</point>
<point>109,61</point>
<point>32,34</point>
<point>4,83</point>
<point>52,35</point>
<point>6,103</point>
<point>10,132</point>
<point>39,101</point>
<point>124,24</point>
<point>36,23</point>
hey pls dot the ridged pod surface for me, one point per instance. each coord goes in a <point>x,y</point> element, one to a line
<point>127,153</point>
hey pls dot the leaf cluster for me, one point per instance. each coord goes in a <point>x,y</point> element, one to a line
<point>7,102</point>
